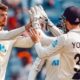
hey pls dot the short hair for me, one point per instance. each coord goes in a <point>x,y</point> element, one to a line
<point>3,7</point>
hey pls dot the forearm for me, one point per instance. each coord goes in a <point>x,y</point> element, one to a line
<point>32,74</point>
<point>36,67</point>
<point>14,33</point>
<point>56,45</point>
<point>44,52</point>
<point>54,29</point>
<point>41,51</point>
<point>11,34</point>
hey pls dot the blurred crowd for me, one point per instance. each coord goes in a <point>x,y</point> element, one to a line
<point>21,59</point>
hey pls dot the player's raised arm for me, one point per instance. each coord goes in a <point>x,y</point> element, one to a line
<point>56,44</point>
<point>13,33</point>
<point>54,30</point>
<point>35,15</point>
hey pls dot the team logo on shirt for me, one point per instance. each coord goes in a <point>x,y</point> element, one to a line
<point>56,62</point>
<point>54,43</point>
<point>2,48</point>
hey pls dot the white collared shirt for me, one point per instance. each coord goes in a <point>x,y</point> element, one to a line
<point>68,45</point>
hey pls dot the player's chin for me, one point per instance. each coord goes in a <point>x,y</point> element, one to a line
<point>3,25</point>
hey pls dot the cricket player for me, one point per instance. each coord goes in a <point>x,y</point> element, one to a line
<point>6,45</point>
<point>17,41</point>
<point>39,62</point>
<point>67,45</point>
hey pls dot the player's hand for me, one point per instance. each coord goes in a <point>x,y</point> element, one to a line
<point>38,11</point>
<point>28,26</point>
<point>44,16</point>
<point>35,36</point>
<point>34,14</point>
<point>42,12</point>
<point>40,17</point>
<point>34,17</point>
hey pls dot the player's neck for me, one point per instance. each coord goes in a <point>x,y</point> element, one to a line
<point>76,27</point>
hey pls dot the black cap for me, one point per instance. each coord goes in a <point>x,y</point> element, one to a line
<point>72,14</point>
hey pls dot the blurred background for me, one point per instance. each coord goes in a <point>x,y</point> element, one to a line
<point>21,59</point>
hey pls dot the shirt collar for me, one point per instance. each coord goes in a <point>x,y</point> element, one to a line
<point>75,30</point>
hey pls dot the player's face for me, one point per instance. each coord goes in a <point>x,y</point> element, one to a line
<point>3,18</point>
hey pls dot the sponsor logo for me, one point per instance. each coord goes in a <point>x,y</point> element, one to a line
<point>2,48</point>
<point>56,62</point>
<point>54,43</point>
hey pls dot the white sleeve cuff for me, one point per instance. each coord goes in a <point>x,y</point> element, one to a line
<point>37,45</point>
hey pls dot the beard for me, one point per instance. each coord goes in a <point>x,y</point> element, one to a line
<point>2,24</point>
